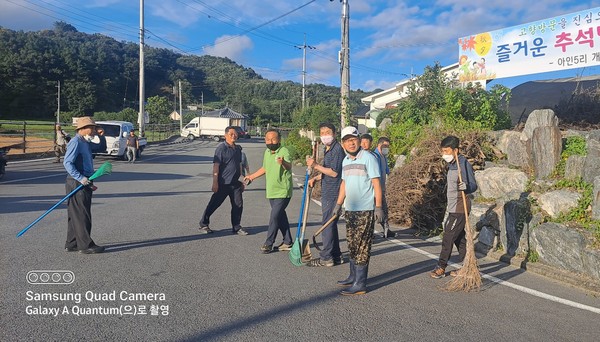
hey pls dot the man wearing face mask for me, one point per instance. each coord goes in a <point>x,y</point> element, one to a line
<point>381,152</point>
<point>331,178</point>
<point>277,167</point>
<point>454,227</point>
<point>79,164</point>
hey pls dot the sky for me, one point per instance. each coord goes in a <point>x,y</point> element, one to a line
<point>389,40</point>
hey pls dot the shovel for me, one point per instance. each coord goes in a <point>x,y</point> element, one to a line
<point>318,232</point>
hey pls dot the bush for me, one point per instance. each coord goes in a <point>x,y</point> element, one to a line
<point>298,146</point>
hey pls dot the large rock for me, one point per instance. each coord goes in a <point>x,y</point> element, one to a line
<point>559,246</point>
<point>400,161</point>
<point>546,146</point>
<point>498,181</point>
<point>539,118</point>
<point>591,262</point>
<point>385,123</point>
<point>559,201</point>
<point>510,143</point>
<point>514,225</point>
<point>574,167</point>
<point>591,167</point>
<point>596,199</point>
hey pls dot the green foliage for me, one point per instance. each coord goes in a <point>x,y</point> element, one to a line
<point>98,73</point>
<point>313,116</point>
<point>532,256</point>
<point>158,108</point>
<point>574,146</point>
<point>580,214</point>
<point>299,147</point>
<point>435,99</point>
<point>403,136</point>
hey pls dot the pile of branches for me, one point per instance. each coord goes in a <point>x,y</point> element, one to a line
<point>416,192</point>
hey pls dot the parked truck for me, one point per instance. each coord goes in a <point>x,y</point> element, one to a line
<point>116,133</point>
<point>206,127</point>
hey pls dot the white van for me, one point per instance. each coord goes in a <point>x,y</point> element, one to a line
<point>116,133</point>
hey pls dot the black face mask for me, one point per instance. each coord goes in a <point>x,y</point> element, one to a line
<point>354,153</point>
<point>273,147</point>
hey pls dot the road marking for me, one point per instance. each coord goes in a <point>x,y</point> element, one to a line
<point>33,178</point>
<point>506,283</point>
<point>500,281</point>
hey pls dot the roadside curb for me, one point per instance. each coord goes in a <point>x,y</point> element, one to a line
<point>570,278</point>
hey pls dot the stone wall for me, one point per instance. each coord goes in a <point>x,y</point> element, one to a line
<point>508,217</point>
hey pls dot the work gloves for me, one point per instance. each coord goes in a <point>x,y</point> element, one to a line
<point>337,210</point>
<point>462,186</point>
<point>85,181</point>
<point>379,215</point>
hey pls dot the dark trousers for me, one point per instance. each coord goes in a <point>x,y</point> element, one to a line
<point>279,221</point>
<point>234,192</point>
<point>79,210</point>
<point>454,234</point>
<point>330,236</point>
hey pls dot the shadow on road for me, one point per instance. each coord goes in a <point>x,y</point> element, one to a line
<point>123,246</point>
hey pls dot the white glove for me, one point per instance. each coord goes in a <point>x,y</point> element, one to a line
<point>462,186</point>
<point>85,181</point>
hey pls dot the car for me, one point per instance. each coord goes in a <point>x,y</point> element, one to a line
<point>241,133</point>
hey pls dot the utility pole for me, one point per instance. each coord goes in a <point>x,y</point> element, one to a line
<point>142,111</point>
<point>202,100</point>
<point>180,109</point>
<point>58,107</point>
<point>280,110</point>
<point>344,59</point>
<point>304,47</point>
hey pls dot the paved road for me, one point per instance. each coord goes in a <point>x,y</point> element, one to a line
<point>220,287</point>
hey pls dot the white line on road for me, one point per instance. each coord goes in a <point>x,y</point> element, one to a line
<point>507,283</point>
<point>500,281</point>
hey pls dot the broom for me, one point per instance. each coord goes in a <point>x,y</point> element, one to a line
<point>105,169</point>
<point>467,278</point>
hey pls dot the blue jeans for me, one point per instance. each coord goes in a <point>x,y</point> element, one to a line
<point>278,221</point>
<point>330,236</point>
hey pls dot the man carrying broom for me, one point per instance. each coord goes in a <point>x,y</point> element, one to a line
<point>79,164</point>
<point>454,227</point>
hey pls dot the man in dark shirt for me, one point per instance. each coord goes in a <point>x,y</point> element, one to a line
<point>331,178</point>
<point>133,145</point>
<point>227,169</point>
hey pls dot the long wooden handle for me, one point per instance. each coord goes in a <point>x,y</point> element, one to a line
<point>464,197</point>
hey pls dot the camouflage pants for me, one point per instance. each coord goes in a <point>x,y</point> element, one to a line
<point>359,235</point>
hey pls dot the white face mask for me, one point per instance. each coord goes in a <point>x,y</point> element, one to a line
<point>385,151</point>
<point>448,158</point>
<point>88,138</point>
<point>327,139</point>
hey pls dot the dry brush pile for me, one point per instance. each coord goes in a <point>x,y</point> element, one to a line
<point>415,192</point>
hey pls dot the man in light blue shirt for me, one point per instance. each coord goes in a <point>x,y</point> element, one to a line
<point>360,192</point>
<point>79,164</point>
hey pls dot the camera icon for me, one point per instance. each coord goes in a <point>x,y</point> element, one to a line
<point>50,277</point>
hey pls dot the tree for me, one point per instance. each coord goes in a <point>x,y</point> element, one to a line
<point>158,108</point>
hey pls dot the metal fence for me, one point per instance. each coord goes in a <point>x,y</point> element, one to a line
<point>37,138</point>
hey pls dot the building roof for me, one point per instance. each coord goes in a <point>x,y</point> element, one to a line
<point>225,113</point>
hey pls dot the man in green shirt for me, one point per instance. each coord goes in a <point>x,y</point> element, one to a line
<point>277,167</point>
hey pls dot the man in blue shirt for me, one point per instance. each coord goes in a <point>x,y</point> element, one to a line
<point>331,178</point>
<point>381,152</point>
<point>79,164</point>
<point>360,192</point>
<point>227,169</point>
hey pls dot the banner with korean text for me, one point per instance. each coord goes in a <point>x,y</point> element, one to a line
<point>564,42</point>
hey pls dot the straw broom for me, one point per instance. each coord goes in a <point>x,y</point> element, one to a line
<point>468,277</point>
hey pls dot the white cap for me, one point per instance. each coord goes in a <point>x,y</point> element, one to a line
<point>350,130</point>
